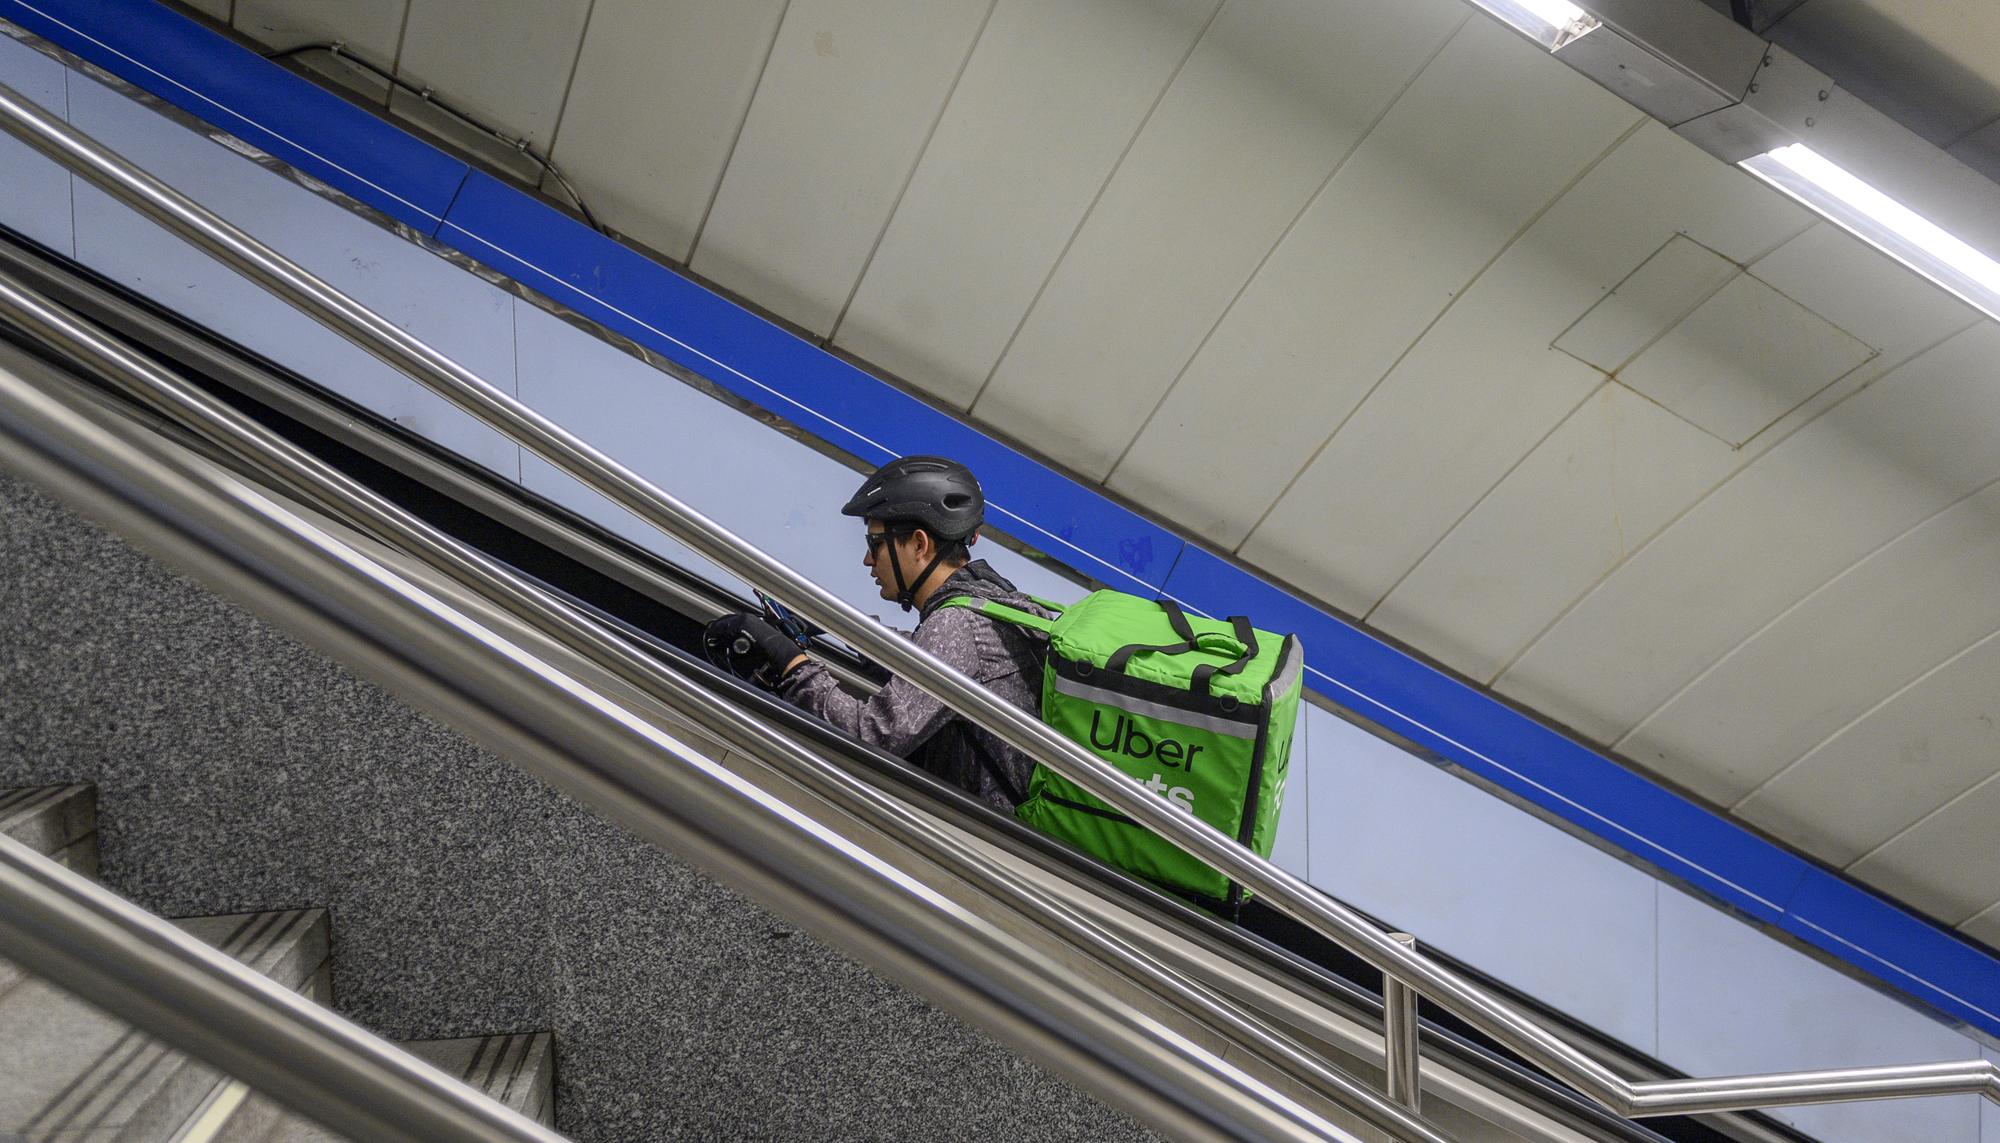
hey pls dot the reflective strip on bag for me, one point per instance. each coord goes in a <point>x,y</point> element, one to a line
<point>1159,712</point>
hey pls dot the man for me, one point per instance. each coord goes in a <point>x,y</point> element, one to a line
<point>922,514</point>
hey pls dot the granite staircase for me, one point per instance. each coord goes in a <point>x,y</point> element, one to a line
<point>70,1073</point>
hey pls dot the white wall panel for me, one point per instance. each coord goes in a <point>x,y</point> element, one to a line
<point>505,61</point>
<point>1910,754</point>
<point>1049,101</point>
<point>371,29</point>
<point>1944,864</point>
<point>1487,136</point>
<point>1733,1000</point>
<point>467,319</point>
<point>1415,846</point>
<point>34,191</point>
<point>1989,1112</point>
<point>1483,387</point>
<point>783,497</point>
<point>1274,97</point>
<point>1897,614</point>
<point>850,95</point>
<point>1894,453</point>
<point>661,88</point>
<point>219,9</point>
<point>1613,474</point>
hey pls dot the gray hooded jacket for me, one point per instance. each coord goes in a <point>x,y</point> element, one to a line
<point>911,724</point>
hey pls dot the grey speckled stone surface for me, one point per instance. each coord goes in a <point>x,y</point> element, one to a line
<point>238,770</point>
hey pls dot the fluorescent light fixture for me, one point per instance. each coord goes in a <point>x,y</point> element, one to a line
<point>1882,222</point>
<point>1550,23</point>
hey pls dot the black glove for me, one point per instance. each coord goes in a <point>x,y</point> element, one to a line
<point>749,647</point>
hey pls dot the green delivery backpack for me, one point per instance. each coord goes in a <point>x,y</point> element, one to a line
<point>1200,712</point>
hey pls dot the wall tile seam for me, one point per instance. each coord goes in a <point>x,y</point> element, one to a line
<point>1090,208</point>
<point>1703,498</point>
<point>736,135</point>
<point>1832,583</point>
<point>910,176</point>
<point>1263,260</point>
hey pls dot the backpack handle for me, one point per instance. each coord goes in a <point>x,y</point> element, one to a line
<point>1242,648</point>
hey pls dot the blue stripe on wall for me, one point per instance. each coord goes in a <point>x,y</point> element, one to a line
<point>205,74</point>
<point>210,76</point>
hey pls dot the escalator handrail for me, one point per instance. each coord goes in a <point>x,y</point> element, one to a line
<point>326,419</point>
<point>1491,1014</point>
<point>509,694</point>
<point>268,455</point>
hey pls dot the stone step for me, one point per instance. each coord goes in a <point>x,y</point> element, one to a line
<point>518,1069</point>
<point>55,821</point>
<point>69,1073</point>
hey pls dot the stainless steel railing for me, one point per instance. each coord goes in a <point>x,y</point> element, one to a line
<point>272,457</point>
<point>69,930</point>
<point>1491,1014</point>
<point>506,692</point>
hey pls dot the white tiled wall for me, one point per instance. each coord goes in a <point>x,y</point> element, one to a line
<point>1386,831</point>
<point>35,196</point>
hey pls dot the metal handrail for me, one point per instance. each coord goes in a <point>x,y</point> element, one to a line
<point>300,472</point>
<point>507,694</point>
<point>1280,998</point>
<point>1493,1015</point>
<point>191,995</point>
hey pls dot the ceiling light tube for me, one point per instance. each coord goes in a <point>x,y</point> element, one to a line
<point>1550,23</point>
<point>1882,222</point>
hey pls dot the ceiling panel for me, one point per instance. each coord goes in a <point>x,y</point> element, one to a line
<point>1934,65</point>
<point>1823,663</point>
<point>1864,292</point>
<point>1943,865</point>
<point>1910,754</point>
<point>1486,137</point>
<point>661,87</point>
<point>1614,473</point>
<point>1857,477</point>
<point>1008,177</point>
<point>1483,387</point>
<point>507,62</point>
<point>850,95</point>
<point>1743,359</point>
<point>1657,295</point>
<point>371,29</point>
<point>1274,96</point>
<point>1985,927</point>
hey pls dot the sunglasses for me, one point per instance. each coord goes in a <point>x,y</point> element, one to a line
<point>877,539</point>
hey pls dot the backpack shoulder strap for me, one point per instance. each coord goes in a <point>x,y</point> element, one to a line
<point>1001,612</point>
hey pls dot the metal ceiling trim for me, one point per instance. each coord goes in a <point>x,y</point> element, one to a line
<point>1737,96</point>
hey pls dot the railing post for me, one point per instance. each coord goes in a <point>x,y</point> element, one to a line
<point>1399,1034</point>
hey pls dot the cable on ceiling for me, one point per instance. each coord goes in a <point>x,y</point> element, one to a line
<point>339,50</point>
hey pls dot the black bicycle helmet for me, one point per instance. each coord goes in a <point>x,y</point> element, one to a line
<point>938,494</point>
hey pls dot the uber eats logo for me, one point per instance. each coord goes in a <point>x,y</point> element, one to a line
<point>1124,737</point>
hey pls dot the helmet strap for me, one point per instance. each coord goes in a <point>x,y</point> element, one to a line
<point>906,592</point>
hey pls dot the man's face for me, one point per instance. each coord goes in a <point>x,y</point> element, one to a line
<point>908,552</point>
